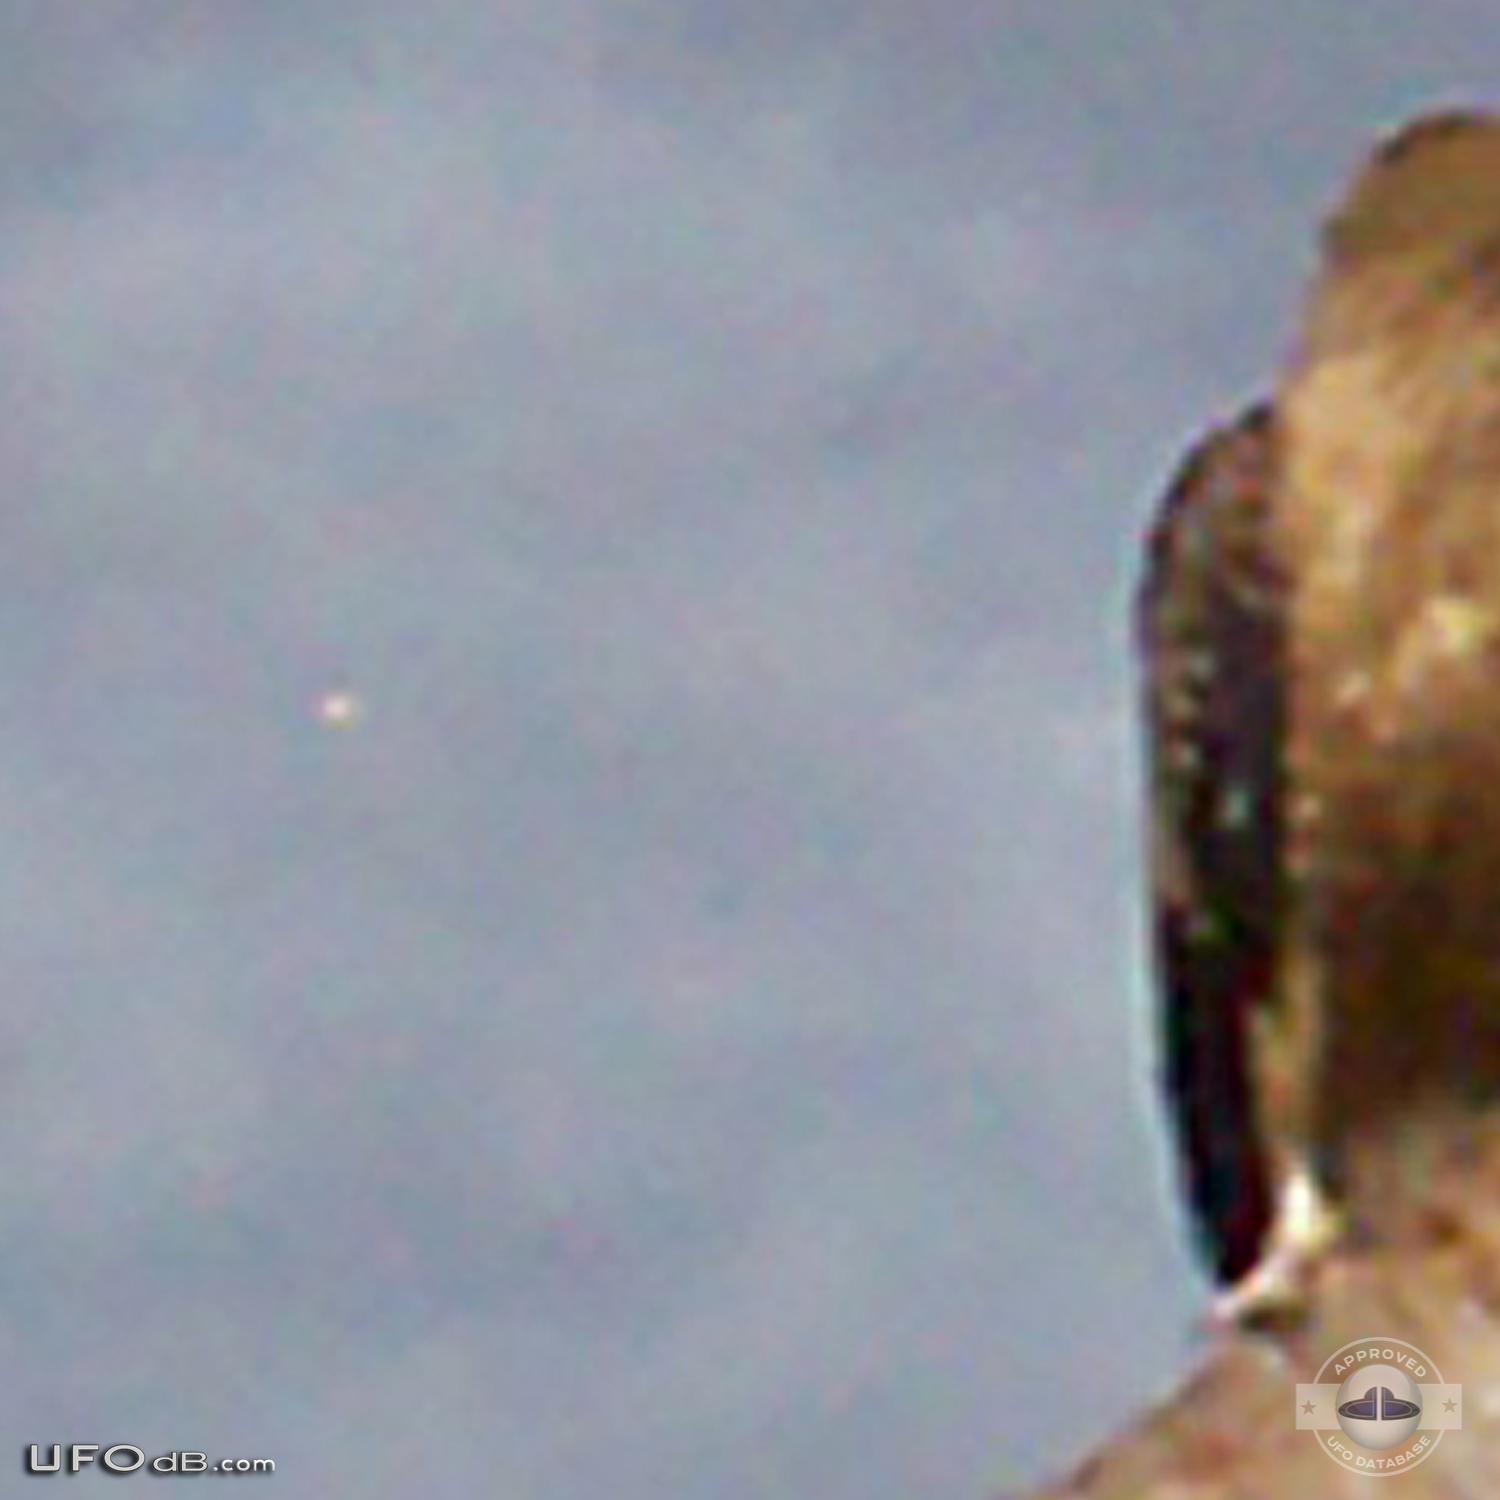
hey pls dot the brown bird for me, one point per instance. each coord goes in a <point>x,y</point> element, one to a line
<point>1320,621</point>
<point>1321,624</point>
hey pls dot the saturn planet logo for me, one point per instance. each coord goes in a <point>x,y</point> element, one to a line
<point>1379,1406</point>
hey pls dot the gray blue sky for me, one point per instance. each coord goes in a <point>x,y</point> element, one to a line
<point>689,1036</point>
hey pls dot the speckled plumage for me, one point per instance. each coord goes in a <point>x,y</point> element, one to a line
<point>1388,516</point>
<point>1321,630</point>
<point>1330,955</point>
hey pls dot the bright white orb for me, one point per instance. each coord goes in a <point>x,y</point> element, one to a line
<point>340,709</point>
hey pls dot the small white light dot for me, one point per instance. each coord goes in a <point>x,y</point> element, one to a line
<point>340,709</point>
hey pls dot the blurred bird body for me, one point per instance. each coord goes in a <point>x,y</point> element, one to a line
<point>1320,624</point>
<point>1335,955</point>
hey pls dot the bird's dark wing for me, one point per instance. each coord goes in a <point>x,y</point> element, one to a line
<point>1210,630</point>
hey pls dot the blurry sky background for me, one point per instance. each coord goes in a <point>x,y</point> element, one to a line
<point>686,1035</point>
